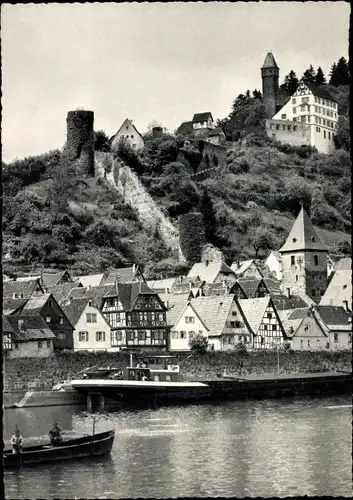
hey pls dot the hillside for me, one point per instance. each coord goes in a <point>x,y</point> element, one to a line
<point>53,218</point>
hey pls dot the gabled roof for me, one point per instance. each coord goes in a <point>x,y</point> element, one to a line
<point>344,264</point>
<point>123,125</point>
<point>185,128</point>
<point>302,236</point>
<point>244,265</point>
<point>284,303</point>
<point>90,279</point>
<point>34,305</point>
<point>176,303</point>
<point>129,292</point>
<point>163,284</point>
<point>254,310</point>
<point>213,311</point>
<point>60,292</point>
<point>202,117</point>
<point>9,306</point>
<point>333,317</point>
<point>50,280</point>
<point>292,318</point>
<point>321,92</point>
<point>338,290</point>
<point>182,312</point>
<point>215,289</point>
<point>74,309</point>
<point>273,286</point>
<point>209,272</point>
<point>96,293</point>
<point>123,275</point>
<point>26,288</point>
<point>6,326</point>
<point>249,285</point>
<point>276,254</point>
<point>269,61</point>
<point>32,328</point>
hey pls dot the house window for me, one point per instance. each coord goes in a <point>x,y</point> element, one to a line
<point>296,277</point>
<point>234,313</point>
<point>308,343</point>
<point>174,334</point>
<point>83,336</point>
<point>48,343</point>
<point>237,324</point>
<point>318,129</point>
<point>292,260</point>
<point>283,117</point>
<point>48,319</point>
<point>294,100</point>
<point>61,320</point>
<point>306,328</point>
<point>345,304</point>
<point>349,338</point>
<point>118,336</point>
<point>182,335</point>
<point>39,344</point>
<point>335,338</point>
<point>316,260</point>
<point>262,340</point>
<point>317,343</point>
<point>269,315</point>
<point>50,303</point>
<point>288,127</point>
<point>100,336</point>
<point>294,111</point>
<point>132,136</point>
<point>313,292</point>
<point>90,303</point>
<point>141,334</point>
<point>91,318</point>
<point>277,126</point>
<point>274,328</point>
<point>192,335</point>
<point>265,328</point>
<point>329,136</point>
<point>301,343</point>
<point>189,319</point>
<point>324,133</point>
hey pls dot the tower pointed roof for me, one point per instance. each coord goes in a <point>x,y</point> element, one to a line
<point>302,236</point>
<point>269,61</point>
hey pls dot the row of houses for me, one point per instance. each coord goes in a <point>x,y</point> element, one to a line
<point>163,314</point>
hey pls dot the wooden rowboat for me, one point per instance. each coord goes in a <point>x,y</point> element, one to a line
<point>73,449</point>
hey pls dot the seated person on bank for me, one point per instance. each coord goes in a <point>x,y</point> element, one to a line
<point>16,442</point>
<point>55,435</point>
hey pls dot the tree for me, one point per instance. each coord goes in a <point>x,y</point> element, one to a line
<point>339,74</point>
<point>342,139</point>
<point>309,75</point>
<point>199,344</point>
<point>344,247</point>
<point>209,218</point>
<point>320,77</point>
<point>247,116</point>
<point>261,239</point>
<point>101,141</point>
<point>291,83</point>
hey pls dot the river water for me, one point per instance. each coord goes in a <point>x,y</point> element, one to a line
<point>250,448</point>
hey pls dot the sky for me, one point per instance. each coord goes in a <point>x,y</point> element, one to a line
<point>149,61</point>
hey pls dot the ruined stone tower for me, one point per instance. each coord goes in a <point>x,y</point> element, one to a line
<point>79,147</point>
<point>270,88</point>
<point>304,260</point>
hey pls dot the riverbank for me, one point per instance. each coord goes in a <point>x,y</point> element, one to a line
<point>42,374</point>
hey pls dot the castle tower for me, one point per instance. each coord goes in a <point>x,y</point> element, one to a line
<point>304,260</point>
<point>79,146</point>
<point>270,88</point>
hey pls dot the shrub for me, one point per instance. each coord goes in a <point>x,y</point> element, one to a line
<point>199,344</point>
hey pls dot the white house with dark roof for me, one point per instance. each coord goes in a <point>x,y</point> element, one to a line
<point>129,133</point>
<point>246,269</point>
<point>339,290</point>
<point>92,331</point>
<point>310,118</point>
<point>187,326</point>
<point>274,264</point>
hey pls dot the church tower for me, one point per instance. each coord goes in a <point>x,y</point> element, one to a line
<point>270,88</point>
<point>304,260</point>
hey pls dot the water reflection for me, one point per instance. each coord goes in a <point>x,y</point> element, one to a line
<point>262,448</point>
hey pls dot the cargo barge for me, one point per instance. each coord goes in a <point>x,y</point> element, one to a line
<point>142,384</point>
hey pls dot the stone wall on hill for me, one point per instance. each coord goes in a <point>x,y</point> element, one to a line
<point>122,178</point>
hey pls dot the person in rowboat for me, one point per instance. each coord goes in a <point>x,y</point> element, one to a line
<point>55,435</point>
<point>16,442</point>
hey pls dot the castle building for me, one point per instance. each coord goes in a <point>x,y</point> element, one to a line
<point>304,260</point>
<point>273,98</point>
<point>310,117</point>
<point>130,134</point>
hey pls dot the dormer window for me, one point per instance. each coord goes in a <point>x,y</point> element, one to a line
<point>90,303</point>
